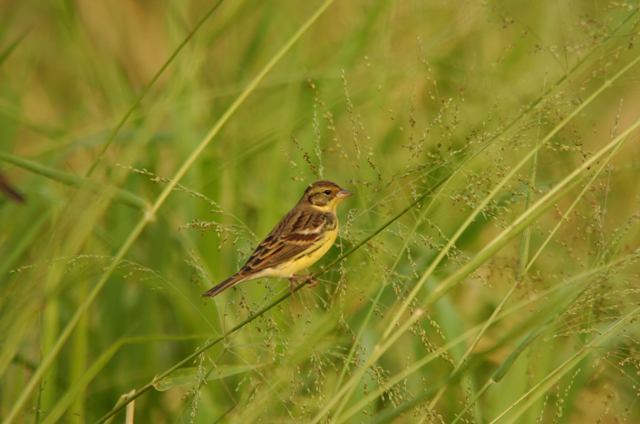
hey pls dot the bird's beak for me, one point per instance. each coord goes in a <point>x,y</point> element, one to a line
<point>343,194</point>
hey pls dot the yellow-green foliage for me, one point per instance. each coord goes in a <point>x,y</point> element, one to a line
<point>487,269</point>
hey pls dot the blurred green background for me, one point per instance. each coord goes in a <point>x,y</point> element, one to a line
<point>450,121</point>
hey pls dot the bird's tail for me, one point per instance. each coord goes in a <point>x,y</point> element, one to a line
<point>229,282</point>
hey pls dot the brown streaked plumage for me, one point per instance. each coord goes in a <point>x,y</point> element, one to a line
<point>302,237</point>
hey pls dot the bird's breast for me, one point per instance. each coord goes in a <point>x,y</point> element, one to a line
<point>308,257</point>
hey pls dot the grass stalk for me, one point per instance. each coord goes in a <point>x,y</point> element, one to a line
<point>569,289</point>
<point>147,88</point>
<point>444,182</point>
<point>553,377</point>
<point>524,249</point>
<point>265,309</point>
<point>541,206</point>
<point>485,201</point>
<point>571,207</point>
<point>502,370</point>
<point>518,225</point>
<point>524,253</point>
<point>378,350</point>
<point>73,393</point>
<point>148,217</point>
<point>120,195</point>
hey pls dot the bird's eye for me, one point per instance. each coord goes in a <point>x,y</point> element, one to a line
<point>327,192</point>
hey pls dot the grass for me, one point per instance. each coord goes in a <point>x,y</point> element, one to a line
<point>487,266</point>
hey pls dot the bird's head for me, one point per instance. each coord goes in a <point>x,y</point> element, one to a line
<point>325,195</point>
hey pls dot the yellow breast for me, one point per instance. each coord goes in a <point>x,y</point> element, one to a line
<point>307,258</point>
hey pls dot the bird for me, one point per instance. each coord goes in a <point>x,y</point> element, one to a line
<point>302,237</point>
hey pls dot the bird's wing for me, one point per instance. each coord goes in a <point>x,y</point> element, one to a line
<point>299,231</point>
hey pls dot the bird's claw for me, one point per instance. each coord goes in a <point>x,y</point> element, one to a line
<point>297,280</point>
<point>312,281</point>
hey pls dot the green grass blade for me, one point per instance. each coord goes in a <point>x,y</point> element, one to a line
<point>552,378</point>
<point>564,293</point>
<point>571,207</point>
<point>497,188</point>
<point>120,195</point>
<point>148,217</point>
<point>75,390</point>
<point>542,205</point>
<point>4,54</point>
<point>517,226</point>
<point>149,85</point>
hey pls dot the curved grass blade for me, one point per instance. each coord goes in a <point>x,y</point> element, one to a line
<point>266,308</point>
<point>564,216</point>
<point>149,216</point>
<point>67,399</point>
<point>147,88</point>
<point>120,195</point>
<point>512,230</point>
<point>523,261</point>
<point>452,240</point>
<point>189,375</point>
<point>569,289</point>
<point>554,376</point>
<point>4,55</point>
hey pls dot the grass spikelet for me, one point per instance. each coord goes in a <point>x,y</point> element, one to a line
<point>486,267</point>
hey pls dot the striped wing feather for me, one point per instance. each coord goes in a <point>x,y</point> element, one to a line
<point>300,230</point>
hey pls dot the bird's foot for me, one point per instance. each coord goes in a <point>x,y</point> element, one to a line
<point>312,281</point>
<point>297,280</point>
